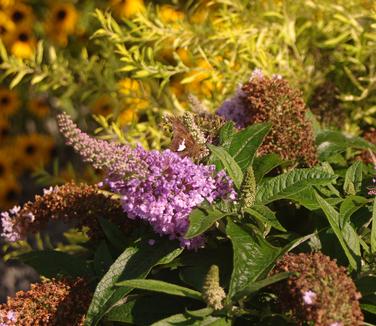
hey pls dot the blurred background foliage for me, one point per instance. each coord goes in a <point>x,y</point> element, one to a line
<point>129,62</point>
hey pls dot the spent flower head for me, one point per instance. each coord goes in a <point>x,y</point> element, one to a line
<point>319,292</point>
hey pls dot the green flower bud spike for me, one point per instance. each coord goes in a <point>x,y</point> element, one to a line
<point>248,189</point>
<point>212,292</point>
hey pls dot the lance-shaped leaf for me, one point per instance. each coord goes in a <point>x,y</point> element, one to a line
<point>266,216</point>
<point>163,287</point>
<point>353,178</point>
<point>245,143</point>
<point>333,218</point>
<point>201,220</point>
<point>253,256</point>
<point>291,183</point>
<point>134,262</point>
<point>232,168</point>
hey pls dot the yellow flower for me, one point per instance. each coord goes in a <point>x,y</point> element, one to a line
<point>34,150</point>
<point>4,128</point>
<point>6,163</point>
<point>23,44</point>
<point>126,117</point>
<point>127,8</point>
<point>6,28</point>
<point>10,191</point>
<point>104,105</point>
<point>39,106</point>
<point>168,14</point>
<point>134,95</point>
<point>21,15</point>
<point>61,22</point>
<point>9,102</point>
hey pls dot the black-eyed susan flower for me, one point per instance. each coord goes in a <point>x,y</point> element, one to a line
<point>6,164</point>
<point>9,102</point>
<point>4,128</point>
<point>7,28</point>
<point>21,14</point>
<point>61,22</point>
<point>104,105</point>
<point>10,191</point>
<point>127,8</point>
<point>34,149</point>
<point>39,106</point>
<point>23,43</point>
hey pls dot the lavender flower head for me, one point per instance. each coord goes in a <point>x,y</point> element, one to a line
<point>235,109</point>
<point>173,187</point>
<point>159,187</point>
<point>118,159</point>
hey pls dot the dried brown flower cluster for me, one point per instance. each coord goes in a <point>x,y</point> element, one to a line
<point>321,294</point>
<point>291,136</point>
<point>326,106</point>
<point>366,156</point>
<point>77,204</point>
<point>53,302</point>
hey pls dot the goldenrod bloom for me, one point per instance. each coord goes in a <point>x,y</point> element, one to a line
<point>9,102</point>
<point>23,44</point>
<point>168,14</point>
<point>127,8</point>
<point>135,98</point>
<point>39,106</point>
<point>104,105</point>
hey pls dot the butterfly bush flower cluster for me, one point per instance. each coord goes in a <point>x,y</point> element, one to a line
<point>272,99</point>
<point>166,191</point>
<point>52,302</point>
<point>77,204</point>
<point>319,292</point>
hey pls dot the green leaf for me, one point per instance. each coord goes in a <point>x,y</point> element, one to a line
<point>348,207</point>
<point>253,257</point>
<point>331,142</point>
<point>102,259</point>
<point>264,164</point>
<point>187,319</point>
<point>291,183</point>
<point>231,167</point>
<point>201,220</point>
<point>369,308</point>
<point>144,310</point>
<point>333,217</point>
<point>256,286</point>
<point>226,134</point>
<point>246,142</point>
<point>353,178</point>
<point>50,263</point>
<point>373,230</point>
<point>161,286</point>
<point>113,234</point>
<point>265,215</point>
<point>134,262</point>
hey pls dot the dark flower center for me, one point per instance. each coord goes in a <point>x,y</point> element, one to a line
<point>18,16</point>
<point>3,30</point>
<point>30,149</point>
<point>23,37</point>
<point>11,195</point>
<point>61,15</point>
<point>2,169</point>
<point>106,107</point>
<point>5,100</point>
